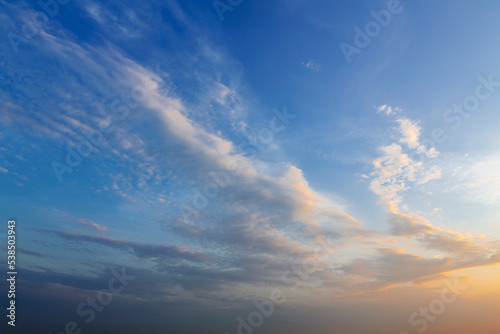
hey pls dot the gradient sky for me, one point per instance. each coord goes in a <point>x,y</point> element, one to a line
<point>230,145</point>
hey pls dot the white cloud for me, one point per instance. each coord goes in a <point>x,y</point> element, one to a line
<point>312,66</point>
<point>410,132</point>
<point>388,110</point>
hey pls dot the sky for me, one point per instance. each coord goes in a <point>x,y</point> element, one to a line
<point>247,166</point>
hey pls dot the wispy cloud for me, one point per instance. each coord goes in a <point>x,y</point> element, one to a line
<point>311,65</point>
<point>141,250</point>
<point>387,109</point>
<point>179,112</point>
<point>88,222</point>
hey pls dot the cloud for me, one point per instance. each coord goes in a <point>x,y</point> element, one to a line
<point>262,210</point>
<point>267,217</point>
<point>406,225</point>
<point>264,222</point>
<point>122,22</point>
<point>141,250</point>
<point>312,66</point>
<point>88,222</point>
<point>392,267</point>
<point>474,178</point>
<point>388,110</point>
<point>410,132</point>
<point>394,172</point>
<point>32,253</point>
<point>453,242</point>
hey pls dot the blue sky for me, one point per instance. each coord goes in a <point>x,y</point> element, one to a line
<point>208,156</point>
